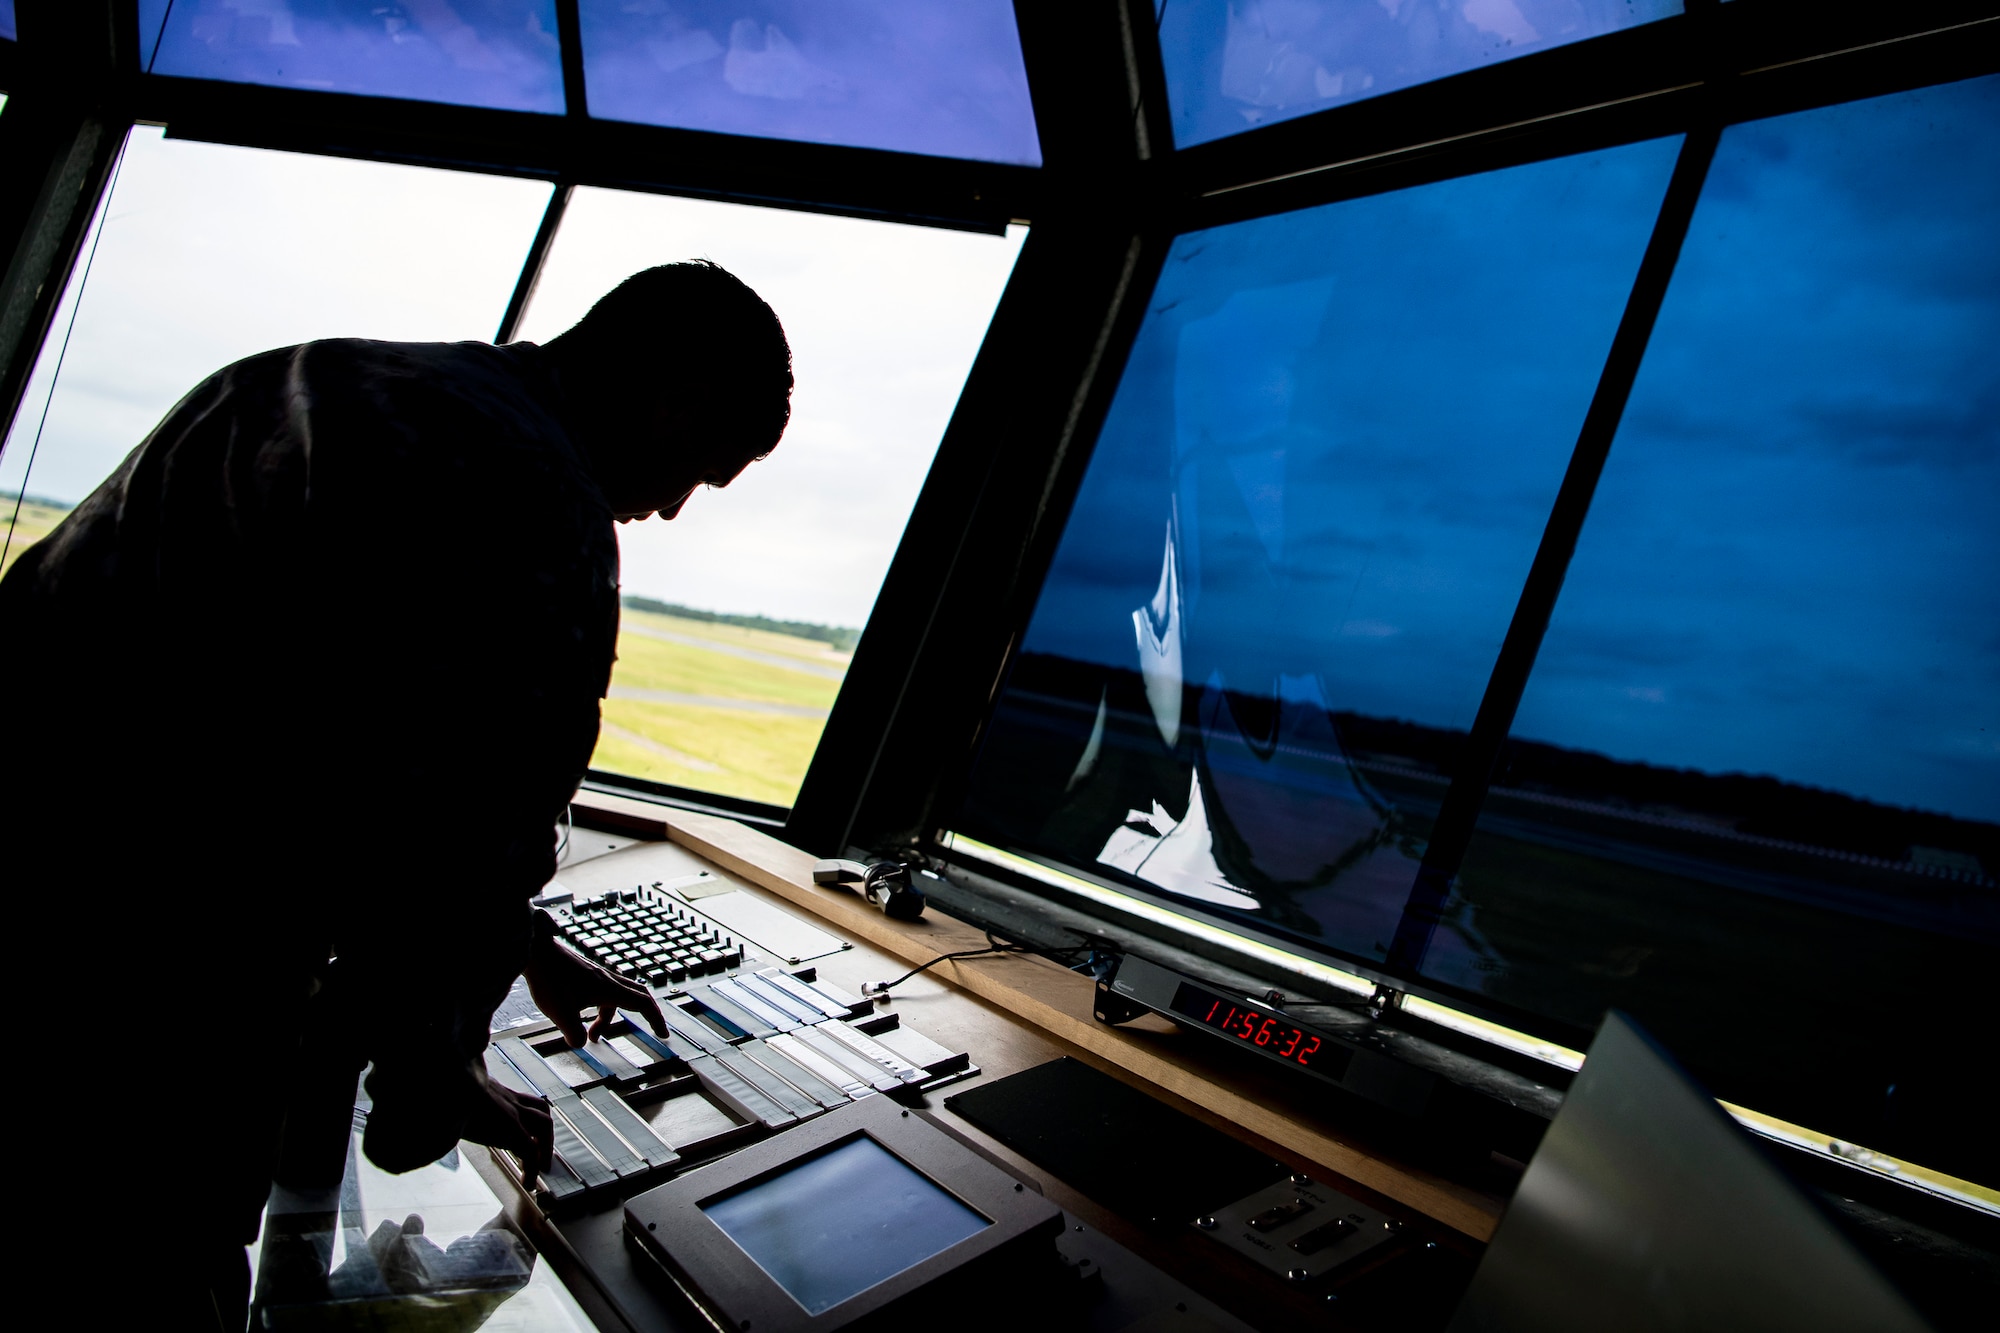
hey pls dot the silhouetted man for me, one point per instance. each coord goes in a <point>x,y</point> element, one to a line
<point>312,676</point>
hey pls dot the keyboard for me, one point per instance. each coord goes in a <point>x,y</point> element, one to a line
<point>646,936</point>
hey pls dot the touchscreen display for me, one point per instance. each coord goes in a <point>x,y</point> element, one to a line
<point>838,1223</point>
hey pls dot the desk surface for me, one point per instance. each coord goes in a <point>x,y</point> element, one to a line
<point>1009,1012</point>
<point>1055,1006</point>
<point>1012,1012</point>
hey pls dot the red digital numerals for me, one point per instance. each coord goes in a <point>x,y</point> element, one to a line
<point>1281,1039</point>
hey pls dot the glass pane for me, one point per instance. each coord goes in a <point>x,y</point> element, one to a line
<point>7,28</point>
<point>1301,538</point>
<point>1233,65</point>
<point>1755,795</point>
<point>495,53</point>
<point>914,76</point>
<point>884,322</point>
<point>211,254</point>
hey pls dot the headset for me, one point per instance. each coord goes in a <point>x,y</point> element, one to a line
<point>887,884</point>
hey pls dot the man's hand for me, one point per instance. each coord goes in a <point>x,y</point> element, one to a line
<point>519,1123</point>
<point>564,985</point>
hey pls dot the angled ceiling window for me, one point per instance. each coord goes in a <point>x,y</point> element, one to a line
<point>490,53</point>
<point>741,614</point>
<point>1755,788</point>
<point>913,76</point>
<point>1233,65</point>
<point>1301,536</point>
<point>207,254</point>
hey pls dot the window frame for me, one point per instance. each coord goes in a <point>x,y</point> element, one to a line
<point>1104,207</point>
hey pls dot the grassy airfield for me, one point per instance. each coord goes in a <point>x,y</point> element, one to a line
<point>751,709</point>
<point>715,707</point>
<point>35,522</point>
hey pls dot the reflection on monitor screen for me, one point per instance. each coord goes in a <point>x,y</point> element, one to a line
<point>837,1224</point>
<point>1647,1210</point>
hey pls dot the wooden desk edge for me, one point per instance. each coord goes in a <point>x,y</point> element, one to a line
<point>1053,999</point>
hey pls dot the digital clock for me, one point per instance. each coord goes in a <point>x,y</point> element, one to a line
<point>1263,1030</point>
<point>1139,985</point>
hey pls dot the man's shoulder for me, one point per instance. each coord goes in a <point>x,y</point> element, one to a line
<point>473,423</point>
<point>477,372</point>
<point>474,396</point>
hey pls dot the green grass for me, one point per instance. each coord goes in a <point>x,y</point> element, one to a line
<point>756,756</point>
<point>654,664</point>
<point>36,521</point>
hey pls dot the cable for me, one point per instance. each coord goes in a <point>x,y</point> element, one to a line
<point>993,946</point>
<point>568,823</point>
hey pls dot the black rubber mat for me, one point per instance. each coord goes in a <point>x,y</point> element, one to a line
<point>1138,1157</point>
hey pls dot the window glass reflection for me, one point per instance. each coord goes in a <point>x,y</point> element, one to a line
<point>492,53</point>
<point>1233,65</point>
<point>1301,537</point>
<point>741,614</point>
<point>1755,791</point>
<point>909,75</point>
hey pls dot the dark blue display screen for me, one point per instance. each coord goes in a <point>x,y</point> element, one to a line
<point>1304,528</point>
<point>913,76</point>
<point>839,1223</point>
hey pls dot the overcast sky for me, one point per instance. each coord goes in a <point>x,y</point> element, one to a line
<point>884,322</point>
<point>209,254</point>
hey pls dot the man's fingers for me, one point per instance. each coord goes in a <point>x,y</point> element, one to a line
<point>538,1121</point>
<point>570,1021</point>
<point>646,1003</point>
<point>605,1013</point>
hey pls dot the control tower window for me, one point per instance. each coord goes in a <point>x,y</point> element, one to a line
<point>1233,65</point>
<point>741,615</point>
<point>1301,536</point>
<point>490,53</point>
<point>203,254</point>
<point>1755,782</point>
<point>1751,793</point>
<point>912,76</point>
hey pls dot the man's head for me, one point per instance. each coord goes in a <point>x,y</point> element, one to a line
<point>679,377</point>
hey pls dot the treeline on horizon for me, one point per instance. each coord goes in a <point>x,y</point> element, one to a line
<point>1760,806</point>
<point>840,636</point>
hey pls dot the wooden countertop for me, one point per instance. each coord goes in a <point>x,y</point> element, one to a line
<point>1056,1006</point>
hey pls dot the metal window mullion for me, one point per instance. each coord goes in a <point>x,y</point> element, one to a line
<point>531,267</point>
<point>1451,835</point>
<point>569,33</point>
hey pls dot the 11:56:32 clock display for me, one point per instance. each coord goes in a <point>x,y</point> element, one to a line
<point>1271,1034</point>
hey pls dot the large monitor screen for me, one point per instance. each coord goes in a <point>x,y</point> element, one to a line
<point>843,1221</point>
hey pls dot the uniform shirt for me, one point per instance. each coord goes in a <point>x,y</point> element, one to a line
<point>316,670</point>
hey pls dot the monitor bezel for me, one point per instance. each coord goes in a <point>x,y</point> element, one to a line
<point>668,1224</point>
